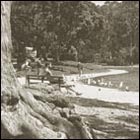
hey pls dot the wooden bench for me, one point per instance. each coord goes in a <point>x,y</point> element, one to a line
<point>34,77</point>
<point>57,68</point>
<point>56,79</point>
<point>53,79</point>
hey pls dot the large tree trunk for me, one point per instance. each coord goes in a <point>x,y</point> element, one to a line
<point>22,114</point>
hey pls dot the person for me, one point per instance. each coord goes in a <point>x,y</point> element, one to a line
<point>44,71</point>
<point>50,65</point>
<point>39,64</point>
<point>47,70</point>
<point>80,68</point>
<point>26,66</point>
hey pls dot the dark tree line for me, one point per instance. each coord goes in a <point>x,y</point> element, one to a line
<point>111,31</point>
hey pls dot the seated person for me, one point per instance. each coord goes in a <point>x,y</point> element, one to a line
<point>44,71</point>
<point>26,65</point>
<point>50,65</point>
<point>47,70</point>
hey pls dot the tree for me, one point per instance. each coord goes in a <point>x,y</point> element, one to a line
<point>131,9</point>
<point>87,27</point>
<point>24,114</point>
<point>54,29</point>
<point>121,30</point>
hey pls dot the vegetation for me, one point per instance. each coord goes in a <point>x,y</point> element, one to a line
<point>23,114</point>
<point>130,79</point>
<point>108,34</point>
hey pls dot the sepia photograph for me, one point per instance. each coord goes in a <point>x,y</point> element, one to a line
<point>69,69</point>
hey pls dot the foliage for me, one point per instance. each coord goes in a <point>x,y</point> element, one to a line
<point>53,27</point>
<point>121,30</point>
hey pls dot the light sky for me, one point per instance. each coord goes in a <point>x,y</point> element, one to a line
<point>100,2</point>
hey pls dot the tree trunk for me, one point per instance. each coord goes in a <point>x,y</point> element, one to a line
<point>57,58</point>
<point>58,54</point>
<point>22,115</point>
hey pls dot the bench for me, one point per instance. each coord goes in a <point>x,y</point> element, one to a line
<point>52,79</point>
<point>56,79</point>
<point>34,77</point>
<point>57,68</point>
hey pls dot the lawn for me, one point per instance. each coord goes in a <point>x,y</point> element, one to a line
<point>130,79</point>
<point>70,67</point>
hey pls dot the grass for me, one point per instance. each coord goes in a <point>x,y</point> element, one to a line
<point>70,67</point>
<point>130,79</point>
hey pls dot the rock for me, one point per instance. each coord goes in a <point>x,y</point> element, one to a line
<point>105,84</point>
<point>121,84</point>
<point>78,94</point>
<point>127,88</point>
<point>89,81</point>
<point>74,118</point>
<point>94,82</point>
<point>64,112</point>
<point>61,135</point>
<point>63,90</point>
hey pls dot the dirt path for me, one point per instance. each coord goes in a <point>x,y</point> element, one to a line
<point>111,123</point>
<point>75,77</point>
<point>100,93</point>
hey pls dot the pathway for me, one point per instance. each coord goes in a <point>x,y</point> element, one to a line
<point>105,94</point>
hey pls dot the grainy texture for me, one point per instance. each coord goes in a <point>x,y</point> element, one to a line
<point>22,115</point>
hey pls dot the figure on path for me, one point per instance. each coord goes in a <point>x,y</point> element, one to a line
<point>80,68</point>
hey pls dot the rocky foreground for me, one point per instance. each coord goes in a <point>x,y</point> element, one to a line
<point>100,119</point>
<point>104,114</point>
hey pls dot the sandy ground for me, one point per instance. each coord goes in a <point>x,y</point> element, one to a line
<point>93,92</point>
<point>111,123</point>
<point>105,94</point>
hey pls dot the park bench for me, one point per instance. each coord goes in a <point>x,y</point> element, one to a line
<point>57,68</point>
<point>53,79</point>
